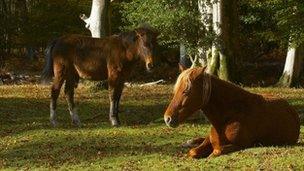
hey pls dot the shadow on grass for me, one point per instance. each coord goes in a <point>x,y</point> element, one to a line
<point>23,117</point>
<point>24,114</point>
<point>55,151</point>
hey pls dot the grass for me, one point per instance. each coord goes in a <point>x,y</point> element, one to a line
<point>143,142</point>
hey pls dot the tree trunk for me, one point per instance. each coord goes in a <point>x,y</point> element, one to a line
<point>293,67</point>
<point>224,48</point>
<point>205,10</point>
<point>216,50</point>
<point>97,23</point>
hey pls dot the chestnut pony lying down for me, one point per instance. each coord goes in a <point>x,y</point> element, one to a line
<point>239,119</point>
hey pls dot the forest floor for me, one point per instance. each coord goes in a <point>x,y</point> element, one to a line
<point>143,142</point>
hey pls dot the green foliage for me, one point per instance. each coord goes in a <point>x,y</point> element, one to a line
<point>177,21</point>
<point>35,22</point>
<point>49,19</point>
<point>264,24</point>
<point>277,21</point>
<point>290,19</point>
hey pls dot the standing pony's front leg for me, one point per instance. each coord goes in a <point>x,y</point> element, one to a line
<point>115,94</point>
<point>116,84</point>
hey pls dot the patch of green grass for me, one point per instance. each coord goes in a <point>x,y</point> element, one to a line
<point>143,142</point>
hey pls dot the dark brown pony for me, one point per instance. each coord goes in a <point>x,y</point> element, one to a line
<point>239,119</point>
<point>111,58</point>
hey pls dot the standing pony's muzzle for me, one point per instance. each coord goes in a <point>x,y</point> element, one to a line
<point>149,64</point>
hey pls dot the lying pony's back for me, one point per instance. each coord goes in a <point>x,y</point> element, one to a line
<point>276,122</point>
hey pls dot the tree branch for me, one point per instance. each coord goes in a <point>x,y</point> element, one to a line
<point>145,84</point>
<point>86,20</point>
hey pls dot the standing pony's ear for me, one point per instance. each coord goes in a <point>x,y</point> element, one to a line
<point>156,33</point>
<point>137,36</point>
<point>129,38</point>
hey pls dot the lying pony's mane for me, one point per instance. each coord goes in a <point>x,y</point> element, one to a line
<point>185,77</point>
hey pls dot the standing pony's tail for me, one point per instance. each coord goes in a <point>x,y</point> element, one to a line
<point>48,72</point>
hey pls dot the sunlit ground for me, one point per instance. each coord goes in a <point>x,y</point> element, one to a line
<point>143,142</point>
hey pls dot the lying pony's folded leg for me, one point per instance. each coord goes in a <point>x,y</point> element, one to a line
<point>193,142</point>
<point>224,150</point>
<point>201,151</point>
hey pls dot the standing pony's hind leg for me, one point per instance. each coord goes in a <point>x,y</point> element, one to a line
<point>55,90</point>
<point>69,92</point>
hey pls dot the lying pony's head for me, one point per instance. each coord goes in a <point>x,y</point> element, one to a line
<point>191,93</point>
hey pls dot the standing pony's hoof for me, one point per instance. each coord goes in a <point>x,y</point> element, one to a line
<point>114,122</point>
<point>54,123</point>
<point>76,120</point>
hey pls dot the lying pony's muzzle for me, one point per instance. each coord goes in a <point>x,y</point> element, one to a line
<point>171,121</point>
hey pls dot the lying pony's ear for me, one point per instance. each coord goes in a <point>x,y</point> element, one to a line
<point>202,70</point>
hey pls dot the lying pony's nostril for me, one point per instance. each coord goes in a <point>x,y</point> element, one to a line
<point>171,122</point>
<point>168,119</point>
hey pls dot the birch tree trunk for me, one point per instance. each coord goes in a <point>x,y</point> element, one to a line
<point>98,22</point>
<point>215,50</point>
<point>293,67</point>
<point>224,25</point>
<point>205,10</point>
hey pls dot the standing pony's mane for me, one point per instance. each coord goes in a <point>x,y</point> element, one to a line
<point>187,77</point>
<point>130,35</point>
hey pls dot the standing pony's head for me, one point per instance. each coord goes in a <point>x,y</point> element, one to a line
<point>191,92</point>
<point>141,42</point>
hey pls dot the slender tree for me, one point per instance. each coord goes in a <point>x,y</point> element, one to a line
<point>98,22</point>
<point>205,11</point>
<point>293,67</point>
<point>289,17</point>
